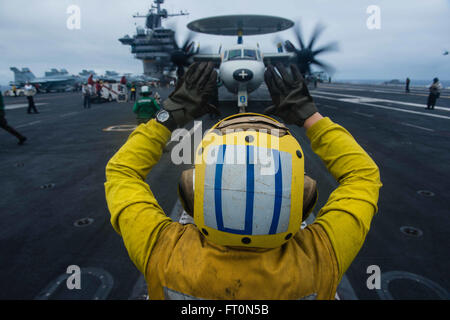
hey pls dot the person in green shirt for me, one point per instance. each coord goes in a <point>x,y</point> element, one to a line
<point>146,107</point>
<point>4,123</point>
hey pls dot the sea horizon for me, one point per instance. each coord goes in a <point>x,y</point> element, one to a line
<point>414,82</point>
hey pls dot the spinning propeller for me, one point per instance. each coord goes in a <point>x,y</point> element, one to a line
<point>182,54</point>
<point>306,55</point>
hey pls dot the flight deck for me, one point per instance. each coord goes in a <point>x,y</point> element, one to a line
<point>54,214</point>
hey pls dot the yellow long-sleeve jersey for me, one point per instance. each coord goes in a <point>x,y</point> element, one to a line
<point>179,263</point>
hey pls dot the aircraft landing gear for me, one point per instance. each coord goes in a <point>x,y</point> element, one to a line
<point>242,100</point>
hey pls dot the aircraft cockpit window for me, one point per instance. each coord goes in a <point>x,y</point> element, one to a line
<point>250,54</point>
<point>234,54</point>
<point>225,56</point>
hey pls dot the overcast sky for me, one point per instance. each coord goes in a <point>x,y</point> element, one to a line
<point>412,38</point>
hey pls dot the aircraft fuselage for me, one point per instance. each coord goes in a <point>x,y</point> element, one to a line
<point>242,68</point>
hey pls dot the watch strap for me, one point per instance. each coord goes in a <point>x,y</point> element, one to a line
<point>169,123</point>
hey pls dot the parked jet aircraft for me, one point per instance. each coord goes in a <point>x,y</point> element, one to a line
<point>86,74</point>
<point>113,76</point>
<point>54,80</point>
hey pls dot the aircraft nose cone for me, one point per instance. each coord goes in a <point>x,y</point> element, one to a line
<point>243,75</point>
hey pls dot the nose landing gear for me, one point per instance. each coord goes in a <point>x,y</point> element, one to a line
<point>242,100</point>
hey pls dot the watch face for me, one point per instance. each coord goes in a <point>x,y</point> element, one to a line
<point>163,116</point>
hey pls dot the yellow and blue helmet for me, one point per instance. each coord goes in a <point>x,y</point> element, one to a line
<point>248,185</point>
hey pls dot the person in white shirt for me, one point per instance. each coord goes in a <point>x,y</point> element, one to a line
<point>30,91</point>
<point>87,92</point>
<point>435,92</point>
<point>157,97</point>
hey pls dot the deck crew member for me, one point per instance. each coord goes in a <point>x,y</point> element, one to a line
<point>133,92</point>
<point>435,92</point>
<point>246,241</point>
<point>4,123</point>
<point>30,91</point>
<point>146,107</point>
<point>86,89</point>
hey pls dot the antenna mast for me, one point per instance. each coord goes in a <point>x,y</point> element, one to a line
<point>154,17</point>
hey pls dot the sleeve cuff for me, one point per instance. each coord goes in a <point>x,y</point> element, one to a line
<point>318,128</point>
<point>159,129</point>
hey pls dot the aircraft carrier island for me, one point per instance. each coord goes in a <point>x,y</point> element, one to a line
<point>154,43</point>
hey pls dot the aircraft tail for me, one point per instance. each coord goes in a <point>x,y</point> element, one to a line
<point>22,76</point>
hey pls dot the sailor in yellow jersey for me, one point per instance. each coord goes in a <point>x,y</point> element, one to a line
<point>246,242</point>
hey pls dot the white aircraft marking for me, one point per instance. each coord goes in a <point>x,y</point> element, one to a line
<point>21,105</point>
<point>383,107</point>
<point>367,99</point>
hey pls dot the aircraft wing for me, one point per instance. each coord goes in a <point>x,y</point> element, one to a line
<point>272,58</point>
<point>216,58</point>
<point>52,84</point>
<point>42,81</point>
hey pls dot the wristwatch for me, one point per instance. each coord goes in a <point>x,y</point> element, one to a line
<point>166,119</point>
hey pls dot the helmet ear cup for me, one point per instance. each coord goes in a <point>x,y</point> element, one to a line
<point>186,191</point>
<point>310,197</point>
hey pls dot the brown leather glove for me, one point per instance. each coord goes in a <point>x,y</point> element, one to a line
<point>290,96</point>
<point>190,99</point>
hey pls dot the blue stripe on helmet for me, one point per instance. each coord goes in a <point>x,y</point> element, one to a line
<point>218,187</point>
<point>278,192</point>
<point>250,191</point>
